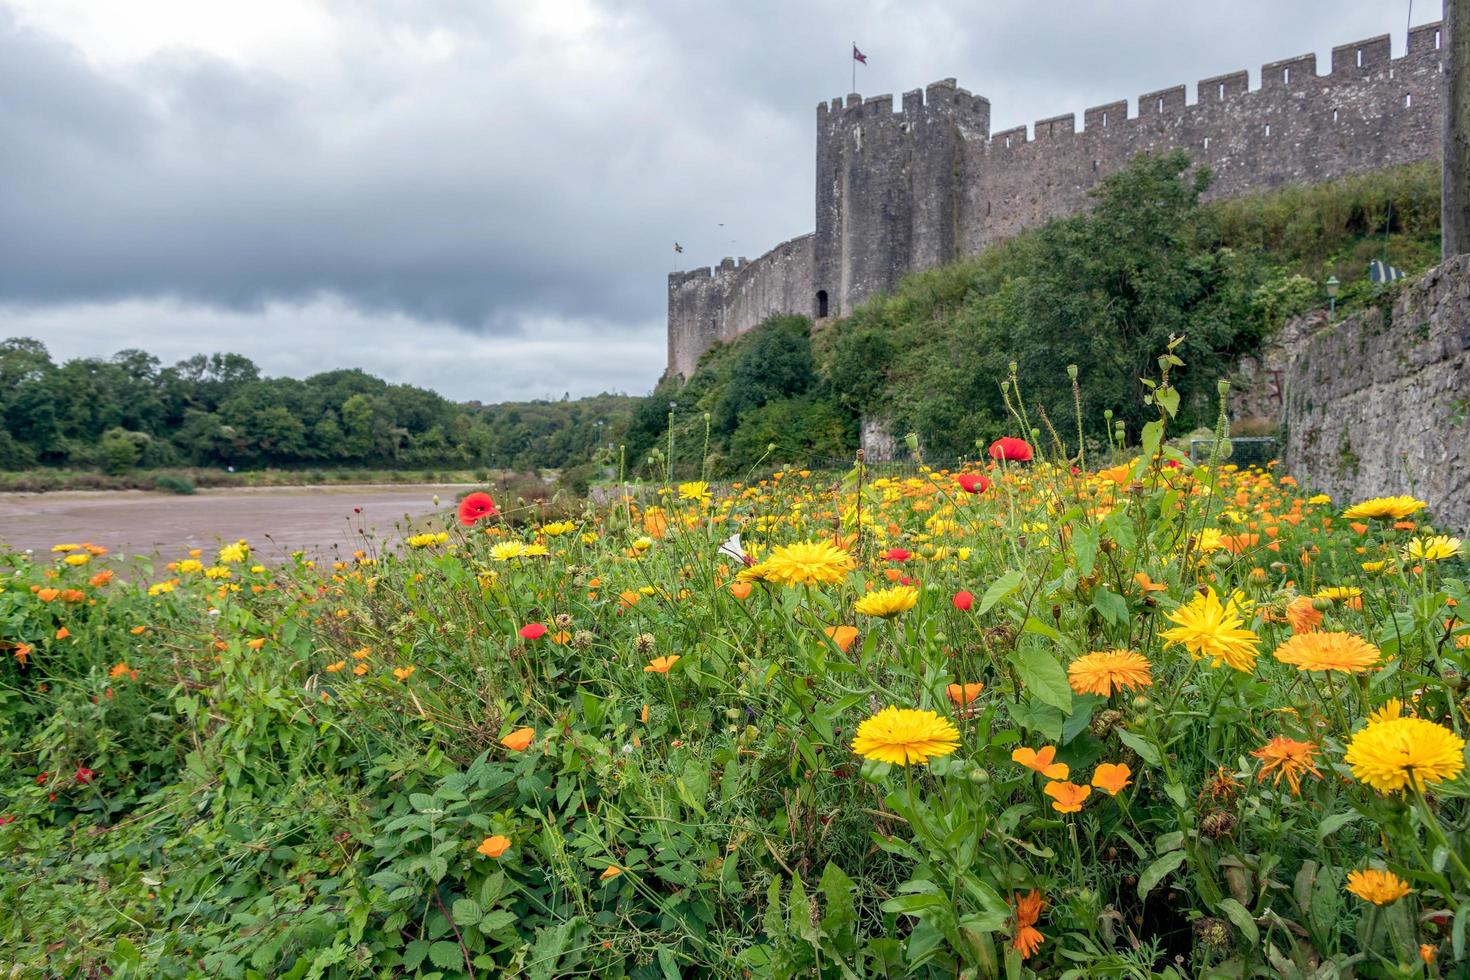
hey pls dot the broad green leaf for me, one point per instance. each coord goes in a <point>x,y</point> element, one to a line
<point>1239,915</point>
<point>1000,589</point>
<point>1158,871</point>
<point>1153,434</point>
<point>1145,749</point>
<point>1044,677</point>
<point>1113,607</point>
<point>1334,823</point>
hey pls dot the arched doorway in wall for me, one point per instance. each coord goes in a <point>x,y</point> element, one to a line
<point>821,304</point>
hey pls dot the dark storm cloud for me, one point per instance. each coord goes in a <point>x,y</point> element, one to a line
<point>494,168</point>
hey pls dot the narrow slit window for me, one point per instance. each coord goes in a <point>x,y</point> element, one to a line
<point>1286,76</point>
<point>1105,120</point>
<point>1360,57</point>
<point>1436,40</point>
<point>1334,115</point>
<point>1008,142</point>
<point>1161,105</point>
<point>1207,142</point>
<point>1408,99</point>
<point>1222,91</point>
<point>1268,129</point>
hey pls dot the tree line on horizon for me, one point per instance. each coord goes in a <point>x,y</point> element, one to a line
<point>130,411</point>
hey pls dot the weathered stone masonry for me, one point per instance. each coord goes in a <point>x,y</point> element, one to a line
<point>904,190</point>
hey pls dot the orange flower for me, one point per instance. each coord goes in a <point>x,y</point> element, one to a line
<point>628,599</point>
<point>138,630</point>
<point>1287,758</point>
<point>963,694</point>
<point>47,595</point>
<point>63,633</point>
<point>842,636</point>
<point>1041,761</point>
<point>333,668</point>
<point>1302,617</point>
<point>519,740</point>
<point>740,590</point>
<point>1067,797</point>
<point>1112,778</point>
<point>399,673</point>
<point>255,644</point>
<point>643,715</point>
<point>100,579</point>
<point>611,871</point>
<point>1147,585</point>
<point>661,665</point>
<point>493,847</point>
<point>1028,938</point>
<point>22,651</point>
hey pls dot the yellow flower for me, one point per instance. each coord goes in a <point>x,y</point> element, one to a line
<point>1385,508</point>
<point>808,563</point>
<point>1346,653</point>
<point>1103,672</point>
<point>403,673</point>
<point>1378,887</point>
<point>64,548</point>
<point>1391,709</point>
<point>1210,539</point>
<point>1208,628</point>
<point>189,566</point>
<point>905,735</point>
<point>1319,498</point>
<point>1339,593</point>
<point>1437,548</point>
<point>697,490</point>
<point>534,551</point>
<point>558,528</point>
<point>216,572</point>
<point>753,573</point>
<point>427,540</point>
<point>75,560</point>
<point>888,603</point>
<point>507,550</point>
<point>236,552</point>
<point>159,588</point>
<point>1390,755</point>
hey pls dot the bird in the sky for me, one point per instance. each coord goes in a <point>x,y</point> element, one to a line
<point>678,247</point>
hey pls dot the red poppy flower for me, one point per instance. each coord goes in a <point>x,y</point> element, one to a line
<point>533,631</point>
<point>1011,449</point>
<point>897,554</point>
<point>963,600</point>
<point>475,506</point>
<point>6,819</point>
<point>84,775</point>
<point>973,483</point>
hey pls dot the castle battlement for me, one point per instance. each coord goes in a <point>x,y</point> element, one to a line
<point>911,183</point>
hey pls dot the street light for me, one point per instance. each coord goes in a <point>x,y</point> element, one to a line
<point>1332,287</point>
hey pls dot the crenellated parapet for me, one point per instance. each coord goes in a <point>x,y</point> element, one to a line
<point>908,184</point>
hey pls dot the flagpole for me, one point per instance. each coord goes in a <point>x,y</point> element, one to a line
<point>853,58</point>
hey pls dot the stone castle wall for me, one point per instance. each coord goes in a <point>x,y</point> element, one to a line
<point>1378,403</point>
<point>898,191</point>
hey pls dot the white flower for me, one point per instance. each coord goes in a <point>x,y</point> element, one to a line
<point>733,549</point>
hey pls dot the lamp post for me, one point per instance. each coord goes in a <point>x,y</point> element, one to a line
<point>1332,287</point>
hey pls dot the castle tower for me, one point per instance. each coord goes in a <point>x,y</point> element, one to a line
<point>890,189</point>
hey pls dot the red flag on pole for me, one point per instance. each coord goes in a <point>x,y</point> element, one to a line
<point>858,55</point>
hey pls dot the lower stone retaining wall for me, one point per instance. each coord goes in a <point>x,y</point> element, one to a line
<point>1378,403</point>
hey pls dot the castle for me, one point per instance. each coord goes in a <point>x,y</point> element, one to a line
<point>916,188</point>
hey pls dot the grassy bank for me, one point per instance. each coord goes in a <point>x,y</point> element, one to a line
<point>186,480</point>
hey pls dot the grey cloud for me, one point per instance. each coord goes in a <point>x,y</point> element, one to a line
<point>451,167</point>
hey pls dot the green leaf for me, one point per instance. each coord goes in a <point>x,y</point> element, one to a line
<point>467,912</point>
<point>1168,399</point>
<point>1145,749</point>
<point>414,953</point>
<point>1239,915</point>
<point>1044,677</point>
<point>1158,871</point>
<point>1331,825</point>
<point>1113,607</point>
<point>1084,546</point>
<point>1153,434</point>
<point>1044,719</point>
<point>446,955</point>
<point>1000,589</point>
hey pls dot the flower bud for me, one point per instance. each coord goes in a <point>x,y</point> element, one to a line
<point>979,776</point>
<point>1223,387</point>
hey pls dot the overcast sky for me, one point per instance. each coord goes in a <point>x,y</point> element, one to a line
<point>482,197</point>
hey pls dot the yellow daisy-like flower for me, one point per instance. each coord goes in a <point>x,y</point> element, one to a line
<point>905,735</point>
<point>1346,653</point>
<point>1385,508</point>
<point>1378,887</point>
<point>1401,752</point>
<point>1392,709</point>
<point>888,603</point>
<point>507,550</point>
<point>189,566</point>
<point>1209,628</point>
<point>808,563</point>
<point>696,491</point>
<point>427,540</point>
<point>1339,593</point>
<point>534,551</point>
<point>557,528</point>
<point>1103,672</point>
<point>1210,539</point>
<point>1438,548</point>
<point>753,573</point>
<point>232,553</point>
<point>74,560</point>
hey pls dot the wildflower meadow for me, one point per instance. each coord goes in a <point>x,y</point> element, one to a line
<point>1076,710</point>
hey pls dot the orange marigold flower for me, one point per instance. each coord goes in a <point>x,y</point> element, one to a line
<point>1041,761</point>
<point>1103,672</point>
<point>494,846</point>
<point>399,673</point>
<point>63,633</point>
<point>519,740</point>
<point>661,665</point>
<point>47,595</point>
<point>1067,797</point>
<point>1302,617</point>
<point>333,668</point>
<point>611,871</point>
<point>1345,653</point>
<point>100,579</point>
<point>1028,938</point>
<point>740,590</point>
<point>1112,777</point>
<point>1285,757</point>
